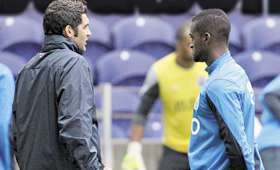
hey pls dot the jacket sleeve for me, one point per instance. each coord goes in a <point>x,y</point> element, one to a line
<point>7,87</point>
<point>223,98</point>
<point>272,100</point>
<point>77,115</point>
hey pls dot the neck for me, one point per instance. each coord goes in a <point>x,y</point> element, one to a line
<point>216,53</point>
<point>184,63</point>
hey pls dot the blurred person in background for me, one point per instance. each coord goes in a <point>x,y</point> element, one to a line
<point>269,138</point>
<point>177,80</point>
<point>54,115</point>
<point>222,134</point>
<point>7,88</point>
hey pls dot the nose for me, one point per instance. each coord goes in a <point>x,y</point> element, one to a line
<point>191,46</point>
<point>88,32</point>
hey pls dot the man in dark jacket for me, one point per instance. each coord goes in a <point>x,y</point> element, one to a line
<point>55,124</point>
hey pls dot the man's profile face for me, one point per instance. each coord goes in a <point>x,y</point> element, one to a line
<point>83,33</point>
<point>198,48</point>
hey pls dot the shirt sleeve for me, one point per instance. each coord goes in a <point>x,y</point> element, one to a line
<point>224,99</point>
<point>149,93</point>
<point>77,115</point>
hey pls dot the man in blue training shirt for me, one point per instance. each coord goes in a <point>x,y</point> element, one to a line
<point>223,116</point>
<point>7,88</point>
<point>269,138</point>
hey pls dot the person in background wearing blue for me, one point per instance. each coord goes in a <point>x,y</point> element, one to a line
<point>222,133</point>
<point>269,138</point>
<point>7,88</point>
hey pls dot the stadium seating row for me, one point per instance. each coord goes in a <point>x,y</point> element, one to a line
<point>129,67</point>
<point>150,34</point>
<point>23,34</point>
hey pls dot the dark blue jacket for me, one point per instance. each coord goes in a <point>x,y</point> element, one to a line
<point>55,123</point>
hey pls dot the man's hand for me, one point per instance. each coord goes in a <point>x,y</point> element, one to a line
<point>133,159</point>
<point>106,168</point>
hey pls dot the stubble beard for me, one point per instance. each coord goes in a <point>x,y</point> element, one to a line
<point>200,56</point>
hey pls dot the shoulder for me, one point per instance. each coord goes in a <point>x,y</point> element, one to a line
<point>165,64</point>
<point>166,59</point>
<point>71,54</point>
<point>230,72</point>
<point>222,88</point>
<point>65,57</point>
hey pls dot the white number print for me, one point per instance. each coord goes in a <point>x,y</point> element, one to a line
<point>196,103</point>
<point>195,120</point>
<point>250,89</point>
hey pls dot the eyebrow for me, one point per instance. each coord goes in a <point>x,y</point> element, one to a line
<point>86,25</point>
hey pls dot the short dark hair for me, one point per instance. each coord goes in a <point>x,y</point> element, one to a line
<point>61,13</point>
<point>215,21</point>
<point>180,34</point>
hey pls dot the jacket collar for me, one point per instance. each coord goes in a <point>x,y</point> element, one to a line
<point>223,59</point>
<point>53,42</point>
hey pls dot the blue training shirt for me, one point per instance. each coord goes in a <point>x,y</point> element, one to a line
<point>223,120</point>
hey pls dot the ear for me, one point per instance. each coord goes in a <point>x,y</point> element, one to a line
<point>68,31</point>
<point>207,37</point>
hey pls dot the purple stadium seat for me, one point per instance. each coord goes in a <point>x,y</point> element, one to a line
<point>124,68</point>
<point>109,19</point>
<point>33,13</point>
<point>176,19</point>
<point>238,18</point>
<point>260,66</point>
<point>262,34</point>
<point>143,33</point>
<point>124,100</point>
<point>21,35</point>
